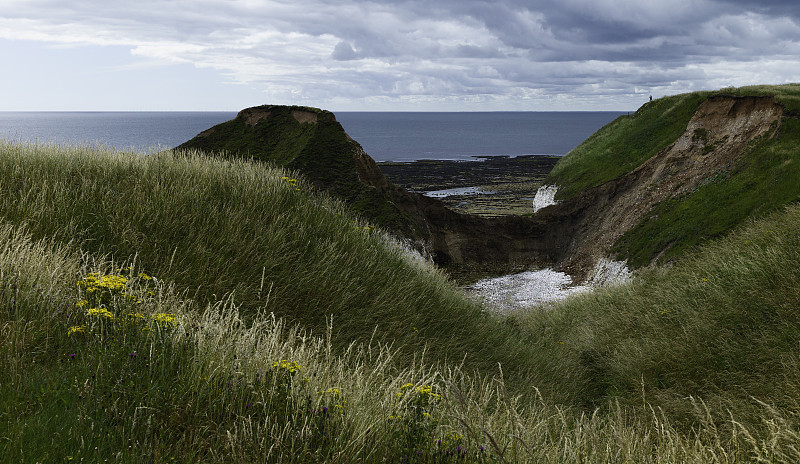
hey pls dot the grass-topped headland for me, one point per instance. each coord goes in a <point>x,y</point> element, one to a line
<point>307,140</point>
<point>627,142</point>
<point>685,169</point>
<point>196,309</point>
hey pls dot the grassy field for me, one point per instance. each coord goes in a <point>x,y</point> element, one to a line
<point>192,309</point>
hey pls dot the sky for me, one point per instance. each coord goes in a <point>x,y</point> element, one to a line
<point>387,55</point>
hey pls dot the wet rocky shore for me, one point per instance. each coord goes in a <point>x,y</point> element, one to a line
<point>489,186</point>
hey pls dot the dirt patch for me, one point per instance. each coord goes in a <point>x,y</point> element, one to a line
<point>252,116</point>
<point>304,117</point>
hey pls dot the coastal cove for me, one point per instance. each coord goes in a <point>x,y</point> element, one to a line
<point>256,295</point>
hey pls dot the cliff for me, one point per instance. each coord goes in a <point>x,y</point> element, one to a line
<point>647,187</point>
<point>312,142</point>
<point>734,157</point>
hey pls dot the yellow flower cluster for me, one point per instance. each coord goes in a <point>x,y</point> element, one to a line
<point>94,282</point>
<point>292,182</point>
<point>287,366</point>
<point>76,329</point>
<point>166,318</point>
<point>425,391</point>
<point>102,293</point>
<point>100,312</point>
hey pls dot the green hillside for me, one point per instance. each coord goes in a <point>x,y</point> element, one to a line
<point>306,140</point>
<point>763,179</point>
<point>214,228</point>
<point>202,309</point>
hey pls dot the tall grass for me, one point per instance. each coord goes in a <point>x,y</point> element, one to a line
<point>723,325</point>
<point>210,387</point>
<point>278,328</point>
<point>237,228</point>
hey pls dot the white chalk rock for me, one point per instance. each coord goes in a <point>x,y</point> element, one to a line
<point>545,196</point>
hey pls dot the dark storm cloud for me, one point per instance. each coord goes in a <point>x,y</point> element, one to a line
<point>418,50</point>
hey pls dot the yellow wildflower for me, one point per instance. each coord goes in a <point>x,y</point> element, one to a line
<point>100,312</point>
<point>290,367</point>
<point>76,329</point>
<point>164,317</point>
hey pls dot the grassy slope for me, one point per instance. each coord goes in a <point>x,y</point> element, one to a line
<point>321,151</point>
<point>722,327</point>
<point>767,172</point>
<point>216,227</point>
<point>209,388</point>
<point>624,144</point>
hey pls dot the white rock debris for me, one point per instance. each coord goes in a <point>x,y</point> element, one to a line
<point>608,272</point>
<point>533,288</point>
<point>545,196</point>
<point>526,289</point>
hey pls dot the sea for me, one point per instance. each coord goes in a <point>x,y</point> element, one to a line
<point>385,136</point>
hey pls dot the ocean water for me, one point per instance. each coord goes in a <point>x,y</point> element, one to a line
<point>464,136</point>
<point>137,131</point>
<point>384,136</point>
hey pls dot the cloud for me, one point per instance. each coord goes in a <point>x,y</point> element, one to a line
<point>511,53</point>
<point>343,51</point>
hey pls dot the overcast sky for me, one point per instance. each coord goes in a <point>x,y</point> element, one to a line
<point>393,55</point>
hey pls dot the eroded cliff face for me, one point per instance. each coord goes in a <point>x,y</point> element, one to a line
<point>713,141</point>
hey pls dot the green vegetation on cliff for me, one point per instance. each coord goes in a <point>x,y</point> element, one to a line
<point>766,177</point>
<point>759,181</point>
<point>623,144</point>
<point>307,140</point>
